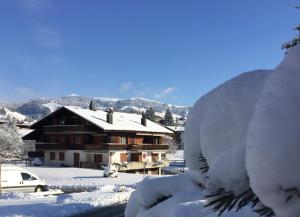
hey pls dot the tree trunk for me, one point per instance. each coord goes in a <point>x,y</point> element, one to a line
<point>0,178</point>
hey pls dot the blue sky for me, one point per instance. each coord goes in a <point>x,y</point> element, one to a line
<point>169,50</point>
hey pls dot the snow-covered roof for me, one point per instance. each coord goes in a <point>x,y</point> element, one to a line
<point>121,121</point>
<point>176,128</point>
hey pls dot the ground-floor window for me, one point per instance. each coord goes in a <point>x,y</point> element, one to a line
<point>61,156</point>
<point>155,156</point>
<point>97,158</point>
<point>52,155</point>
<point>137,157</point>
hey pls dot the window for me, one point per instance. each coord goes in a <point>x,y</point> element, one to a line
<point>123,140</point>
<point>148,140</point>
<point>62,139</point>
<point>139,140</point>
<point>78,140</point>
<point>89,139</point>
<point>155,140</point>
<point>131,140</point>
<point>136,157</point>
<point>97,158</point>
<point>100,139</point>
<point>61,156</point>
<point>114,139</point>
<point>155,156</point>
<point>52,155</point>
<point>89,158</point>
<point>27,177</point>
<point>52,138</point>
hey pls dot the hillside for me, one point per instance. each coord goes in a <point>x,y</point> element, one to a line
<point>38,108</point>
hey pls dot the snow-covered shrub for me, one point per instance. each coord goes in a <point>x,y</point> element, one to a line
<point>154,190</point>
<point>216,130</point>
<point>242,145</point>
<point>273,142</point>
<point>110,170</point>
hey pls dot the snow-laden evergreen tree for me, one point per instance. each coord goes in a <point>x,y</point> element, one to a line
<point>294,41</point>
<point>173,146</point>
<point>92,106</point>
<point>11,144</point>
<point>2,111</point>
<point>150,114</point>
<point>168,118</point>
<point>273,141</point>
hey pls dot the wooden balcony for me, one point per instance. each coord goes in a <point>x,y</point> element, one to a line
<point>68,128</point>
<point>137,147</point>
<point>58,146</point>
<point>50,146</point>
<point>155,147</point>
<point>106,147</point>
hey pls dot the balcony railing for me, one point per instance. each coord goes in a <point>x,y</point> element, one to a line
<point>58,146</point>
<point>106,147</point>
<point>68,128</point>
<point>137,147</point>
<point>50,146</point>
<point>155,147</point>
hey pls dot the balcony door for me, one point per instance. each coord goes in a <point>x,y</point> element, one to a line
<point>76,159</point>
<point>137,157</point>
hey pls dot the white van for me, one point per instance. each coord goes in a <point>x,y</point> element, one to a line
<point>20,180</point>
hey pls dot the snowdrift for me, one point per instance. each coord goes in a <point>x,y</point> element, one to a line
<point>241,137</point>
<point>273,141</point>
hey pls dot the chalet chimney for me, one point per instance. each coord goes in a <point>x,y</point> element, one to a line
<point>109,116</point>
<point>144,119</point>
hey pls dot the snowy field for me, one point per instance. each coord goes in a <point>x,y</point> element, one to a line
<point>94,191</point>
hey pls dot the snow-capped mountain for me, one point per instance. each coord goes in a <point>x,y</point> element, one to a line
<point>6,113</point>
<point>38,108</point>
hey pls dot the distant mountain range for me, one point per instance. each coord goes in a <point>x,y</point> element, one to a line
<point>38,108</point>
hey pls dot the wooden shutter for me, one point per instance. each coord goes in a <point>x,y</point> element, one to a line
<point>123,157</point>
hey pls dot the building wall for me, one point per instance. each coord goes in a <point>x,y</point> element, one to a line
<point>149,154</point>
<point>69,157</point>
<point>116,156</point>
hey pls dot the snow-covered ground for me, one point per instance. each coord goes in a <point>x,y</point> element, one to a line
<point>97,192</point>
<point>177,156</point>
<point>177,163</point>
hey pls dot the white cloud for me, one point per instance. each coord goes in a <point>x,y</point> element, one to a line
<point>16,93</point>
<point>125,86</point>
<point>47,37</point>
<point>165,92</point>
<point>36,6</point>
<point>26,92</point>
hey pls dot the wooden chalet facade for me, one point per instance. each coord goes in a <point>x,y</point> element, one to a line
<point>78,137</point>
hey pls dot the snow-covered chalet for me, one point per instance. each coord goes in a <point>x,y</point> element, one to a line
<point>79,137</point>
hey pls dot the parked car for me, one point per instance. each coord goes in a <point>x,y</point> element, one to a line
<point>15,179</point>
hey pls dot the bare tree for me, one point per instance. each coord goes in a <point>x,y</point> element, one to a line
<point>173,146</point>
